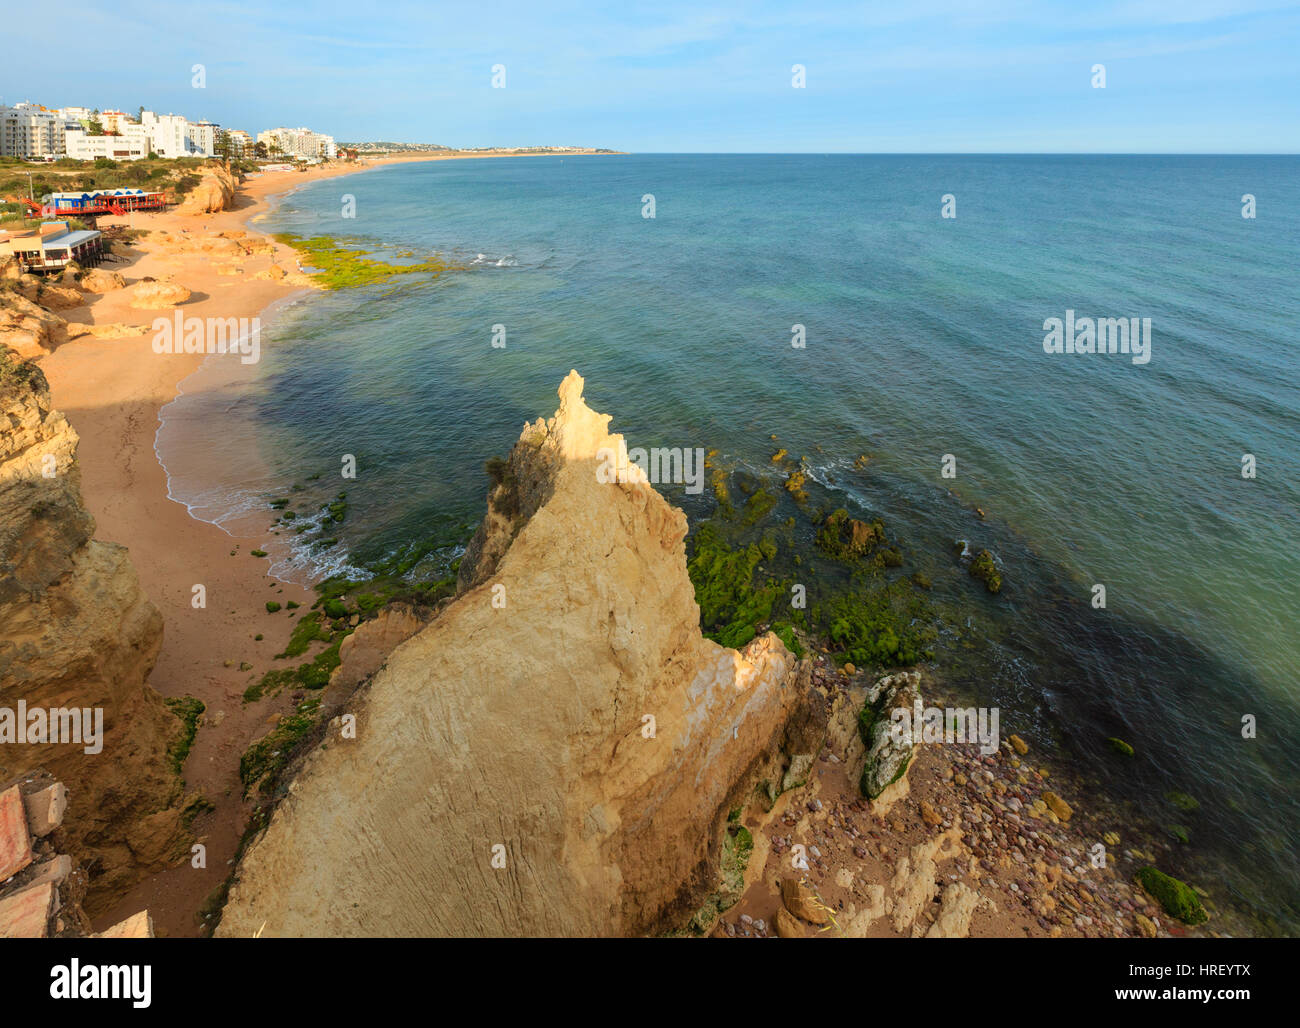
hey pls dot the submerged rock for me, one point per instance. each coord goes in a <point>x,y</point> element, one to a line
<point>1177,898</point>
<point>985,569</point>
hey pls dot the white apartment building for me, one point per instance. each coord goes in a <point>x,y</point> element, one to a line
<point>203,137</point>
<point>112,121</point>
<point>300,142</point>
<point>172,135</point>
<point>131,144</point>
<point>75,113</point>
<point>167,133</point>
<point>30,130</point>
<point>241,143</point>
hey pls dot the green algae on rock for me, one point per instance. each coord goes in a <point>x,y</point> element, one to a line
<point>983,568</point>
<point>888,626</point>
<point>1187,804</point>
<point>846,538</point>
<point>731,606</point>
<point>1177,898</point>
<point>340,267</point>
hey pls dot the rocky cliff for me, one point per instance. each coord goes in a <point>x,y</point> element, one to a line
<point>28,329</point>
<point>557,752</point>
<point>77,632</point>
<point>215,191</point>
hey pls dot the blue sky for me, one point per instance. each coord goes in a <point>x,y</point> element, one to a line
<point>901,76</point>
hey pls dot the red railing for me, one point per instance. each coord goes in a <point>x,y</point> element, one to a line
<point>119,206</point>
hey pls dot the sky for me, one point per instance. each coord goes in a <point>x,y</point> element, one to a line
<point>914,76</point>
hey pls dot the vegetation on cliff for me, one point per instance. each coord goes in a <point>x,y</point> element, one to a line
<point>189,709</point>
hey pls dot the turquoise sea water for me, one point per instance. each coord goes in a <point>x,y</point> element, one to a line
<point>924,338</point>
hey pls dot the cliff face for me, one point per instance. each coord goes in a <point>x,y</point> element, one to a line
<point>77,632</point>
<point>215,191</point>
<point>30,330</point>
<point>563,714</point>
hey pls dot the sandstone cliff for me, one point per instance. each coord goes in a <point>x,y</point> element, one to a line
<point>76,631</point>
<point>563,715</point>
<point>28,329</point>
<point>215,191</point>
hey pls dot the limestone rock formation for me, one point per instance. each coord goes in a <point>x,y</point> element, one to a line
<point>215,191</point>
<point>888,758</point>
<point>77,632</point>
<point>555,754</point>
<point>100,280</point>
<point>56,296</point>
<point>111,330</point>
<point>363,652</point>
<point>157,293</point>
<point>26,328</point>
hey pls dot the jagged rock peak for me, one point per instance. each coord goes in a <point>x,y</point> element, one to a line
<point>556,753</point>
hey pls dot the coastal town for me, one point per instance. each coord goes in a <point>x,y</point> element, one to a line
<point>76,141</point>
<point>35,132</point>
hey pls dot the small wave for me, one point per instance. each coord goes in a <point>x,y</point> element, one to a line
<point>484,260</point>
<point>306,565</point>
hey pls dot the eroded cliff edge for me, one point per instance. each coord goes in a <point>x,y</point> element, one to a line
<point>564,712</point>
<point>76,631</point>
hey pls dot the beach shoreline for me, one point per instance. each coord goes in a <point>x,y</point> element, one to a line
<point>113,392</point>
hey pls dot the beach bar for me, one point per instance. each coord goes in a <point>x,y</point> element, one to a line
<point>53,246</point>
<point>95,201</point>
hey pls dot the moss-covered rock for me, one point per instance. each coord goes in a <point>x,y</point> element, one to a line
<point>848,539</point>
<point>1178,899</point>
<point>731,604</point>
<point>888,757</point>
<point>796,485</point>
<point>262,762</point>
<point>1187,804</point>
<point>340,267</point>
<point>889,626</point>
<point>737,845</point>
<point>1119,746</point>
<point>800,768</point>
<point>785,632</point>
<point>984,568</point>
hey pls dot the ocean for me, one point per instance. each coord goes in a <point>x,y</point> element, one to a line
<point>923,341</point>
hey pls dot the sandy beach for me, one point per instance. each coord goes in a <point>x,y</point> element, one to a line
<point>111,391</point>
